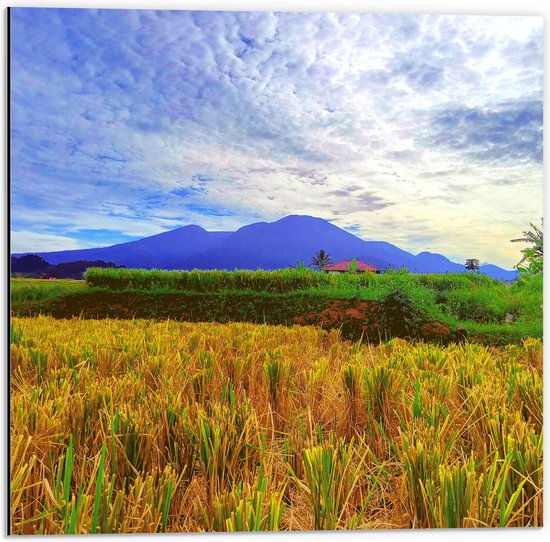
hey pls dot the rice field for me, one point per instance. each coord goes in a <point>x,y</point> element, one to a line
<point>277,281</point>
<point>121,426</point>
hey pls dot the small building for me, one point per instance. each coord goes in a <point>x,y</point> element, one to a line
<point>343,267</point>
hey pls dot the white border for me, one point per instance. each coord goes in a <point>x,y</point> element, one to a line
<point>488,7</point>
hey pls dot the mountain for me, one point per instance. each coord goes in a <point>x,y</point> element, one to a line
<point>283,243</point>
<point>429,262</point>
<point>498,273</point>
<point>164,250</point>
<point>264,245</point>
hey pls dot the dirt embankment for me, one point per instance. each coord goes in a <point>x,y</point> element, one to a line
<point>364,317</point>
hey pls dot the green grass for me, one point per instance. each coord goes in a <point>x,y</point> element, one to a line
<point>35,290</point>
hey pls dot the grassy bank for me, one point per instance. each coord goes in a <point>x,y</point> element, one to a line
<point>459,296</point>
<point>143,426</point>
<point>400,303</point>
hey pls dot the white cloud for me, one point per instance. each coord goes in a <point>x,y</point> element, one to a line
<point>26,241</point>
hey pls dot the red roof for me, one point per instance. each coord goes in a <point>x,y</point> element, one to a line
<point>344,266</point>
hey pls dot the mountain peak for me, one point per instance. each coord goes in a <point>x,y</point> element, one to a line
<point>191,228</point>
<point>432,255</point>
<point>303,219</point>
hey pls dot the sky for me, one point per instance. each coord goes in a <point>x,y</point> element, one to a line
<point>423,131</point>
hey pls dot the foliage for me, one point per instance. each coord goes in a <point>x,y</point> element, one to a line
<point>330,480</point>
<point>533,255</point>
<point>402,309</point>
<point>248,508</point>
<point>113,438</point>
<point>535,263</point>
<point>33,266</point>
<point>29,263</point>
<point>472,264</point>
<point>321,259</point>
<point>477,305</point>
<point>400,313</point>
<point>352,267</point>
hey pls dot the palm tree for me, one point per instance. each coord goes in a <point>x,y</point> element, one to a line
<point>472,264</point>
<point>532,254</point>
<point>321,259</point>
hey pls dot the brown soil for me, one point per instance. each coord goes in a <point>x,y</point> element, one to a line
<point>363,318</point>
<point>437,331</point>
<point>341,312</point>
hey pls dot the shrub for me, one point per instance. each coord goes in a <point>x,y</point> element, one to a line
<point>480,305</point>
<point>400,312</point>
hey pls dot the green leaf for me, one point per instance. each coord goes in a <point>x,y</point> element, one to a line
<point>98,488</point>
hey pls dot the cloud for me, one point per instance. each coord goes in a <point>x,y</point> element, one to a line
<point>510,132</point>
<point>137,121</point>
<point>353,201</point>
<point>22,240</point>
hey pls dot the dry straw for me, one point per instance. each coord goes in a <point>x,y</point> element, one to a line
<point>142,426</point>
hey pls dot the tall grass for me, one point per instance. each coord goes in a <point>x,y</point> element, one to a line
<point>284,280</point>
<point>141,426</point>
<point>211,281</point>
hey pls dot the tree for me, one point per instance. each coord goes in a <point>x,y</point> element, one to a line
<point>28,264</point>
<point>533,255</point>
<point>321,259</point>
<point>472,265</point>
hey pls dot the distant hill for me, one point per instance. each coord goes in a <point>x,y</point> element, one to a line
<point>31,263</point>
<point>264,245</point>
<point>35,266</point>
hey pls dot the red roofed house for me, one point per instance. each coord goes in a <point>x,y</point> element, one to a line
<point>343,267</point>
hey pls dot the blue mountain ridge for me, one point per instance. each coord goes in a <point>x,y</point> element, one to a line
<point>263,245</point>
